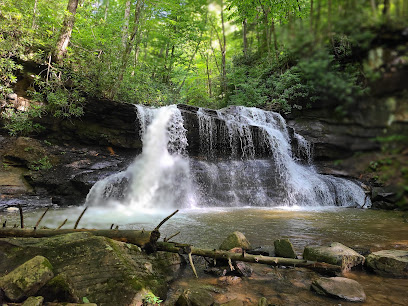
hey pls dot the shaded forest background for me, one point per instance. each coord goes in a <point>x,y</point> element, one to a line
<point>270,54</point>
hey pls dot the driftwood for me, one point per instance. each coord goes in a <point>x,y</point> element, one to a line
<point>228,256</point>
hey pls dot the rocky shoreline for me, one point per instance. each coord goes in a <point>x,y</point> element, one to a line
<point>80,268</point>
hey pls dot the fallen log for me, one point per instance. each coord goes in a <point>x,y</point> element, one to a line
<point>142,239</point>
<point>225,255</point>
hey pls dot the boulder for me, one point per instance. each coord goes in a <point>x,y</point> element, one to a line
<point>339,287</point>
<point>263,301</point>
<point>33,301</point>
<point>196,297</point>
<point>104,271</point>
<point>27,279</point>
<point>389,263</point>
<point>336,254</point>
<point>284,248</point>
<point>235,240</point>
<point>12,97</point>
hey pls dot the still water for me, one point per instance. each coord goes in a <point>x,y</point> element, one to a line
<point>207,227</point>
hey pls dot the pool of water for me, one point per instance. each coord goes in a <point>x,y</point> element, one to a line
<point>208,227</point>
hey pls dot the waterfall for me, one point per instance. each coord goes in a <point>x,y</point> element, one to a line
<point>287,182</point>
<point>258,166</point>
<point>160,176</point>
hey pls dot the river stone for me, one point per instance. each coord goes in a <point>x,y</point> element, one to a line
<point>243,269</point>
<point>284,248</point>
<point>339,287</point>
<point>196,297</point>
<point>27,279</point>
<point>235,240</point>
<point>33,301</point>
<point>389,263</point>
<point>336,254</point>
<point>106,271</point>
<point>263,301</point>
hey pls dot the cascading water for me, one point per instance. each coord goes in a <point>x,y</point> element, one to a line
<point>160,176</point>
<point>164,177</point>
<point>280,180</point>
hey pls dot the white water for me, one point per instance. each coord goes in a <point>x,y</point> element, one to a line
<point>160,176</point>
<point>163,177</point>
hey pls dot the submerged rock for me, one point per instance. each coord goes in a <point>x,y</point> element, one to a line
<point>389,263</point>
<point>27,279</point>
<point>235,240</point>
<point>339,287</point>
<point>336,254</point>
<point>196,297</point>
<point>284,248</point>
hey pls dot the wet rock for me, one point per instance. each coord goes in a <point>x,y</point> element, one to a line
<point>339,287</point>
<point>103,270</point>
<point>27,279</point>
<point>59,289</point>
<point>284,248</point>
<point>33,301</point>
<point>389,263</point>
<point>264,251</point>
<point>336,254</point>
<point>30,153</point>
<point>216,271</point>
<point>195,297</point>
<point>234,240</point>
<point>243,269</point>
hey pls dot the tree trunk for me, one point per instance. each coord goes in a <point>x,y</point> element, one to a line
<point>374,7</point>
<point>106,9</point>
<point>386,8</point>
<point>244,37</point>
<point>34,14</point>
<point>225,255</point>
<point>311,15</point>
<point>224,52</point>
<point>275,40</point>
<point>66,31</point>
<point>125,30</point>
<point>129,47</point>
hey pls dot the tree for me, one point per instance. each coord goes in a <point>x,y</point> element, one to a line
<point>66,31</point>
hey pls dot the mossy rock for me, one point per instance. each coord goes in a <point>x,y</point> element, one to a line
<point>235,240</point>
<point>33,301</point>
<point>105,271</point>
<point>389,263</point>
<point>27,279</point>
<point>284,248</point>
<point>335,254</point>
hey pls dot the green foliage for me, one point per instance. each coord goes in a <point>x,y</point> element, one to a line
<point>42,164</point>
<point>8,67</point>
<point>21,123</point>
<point>151,299</point>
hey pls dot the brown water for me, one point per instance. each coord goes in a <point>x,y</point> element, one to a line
<point>365,229</point>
